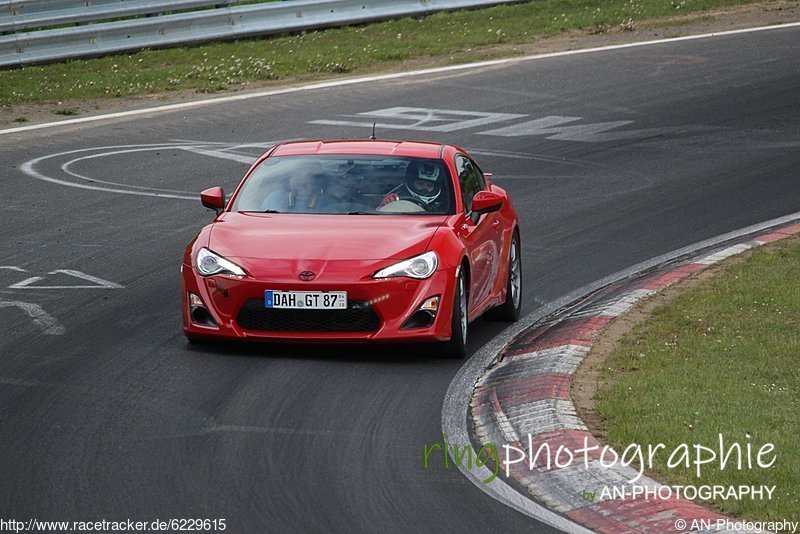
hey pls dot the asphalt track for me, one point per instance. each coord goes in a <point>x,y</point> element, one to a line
<point>106,413</point>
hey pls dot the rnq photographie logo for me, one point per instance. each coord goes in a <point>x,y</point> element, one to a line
<point>489,462</point>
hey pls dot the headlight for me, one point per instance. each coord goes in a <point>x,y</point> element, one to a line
<point>420,267</point>
<point>209,263</point>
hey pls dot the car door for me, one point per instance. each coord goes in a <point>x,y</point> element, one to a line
<point>480,235</point>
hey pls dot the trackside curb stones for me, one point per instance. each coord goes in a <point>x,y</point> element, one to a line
<point>523,400</point>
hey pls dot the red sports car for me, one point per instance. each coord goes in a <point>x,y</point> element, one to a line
<point>351,241</point>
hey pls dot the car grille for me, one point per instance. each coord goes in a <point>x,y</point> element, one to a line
<point>358,317</point>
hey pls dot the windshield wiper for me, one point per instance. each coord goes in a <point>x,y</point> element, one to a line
<point>260,211</point>
<point>362,213</point>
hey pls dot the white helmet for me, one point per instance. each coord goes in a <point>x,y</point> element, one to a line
<point>422,181</point>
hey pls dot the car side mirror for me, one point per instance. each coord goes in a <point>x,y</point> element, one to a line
<point>486,202</point>
<point>213,198</point>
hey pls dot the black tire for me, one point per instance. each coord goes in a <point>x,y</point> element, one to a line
<point>510,310</point>
<point>457,346</point>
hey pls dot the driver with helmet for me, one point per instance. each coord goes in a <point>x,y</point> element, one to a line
<point>422,186</point>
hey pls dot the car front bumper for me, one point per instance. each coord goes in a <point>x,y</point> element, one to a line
<point>377,312</point>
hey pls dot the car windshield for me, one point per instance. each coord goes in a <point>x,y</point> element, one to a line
<point>348,185</point>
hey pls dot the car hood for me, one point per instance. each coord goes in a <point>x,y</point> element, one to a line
<point>257,236</point>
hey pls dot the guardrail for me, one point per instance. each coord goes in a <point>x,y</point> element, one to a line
<point>221,20</point>
<point>19,15</point>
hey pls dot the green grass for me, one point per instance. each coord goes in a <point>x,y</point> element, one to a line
<point>722,358</point>
<point>441,37</point>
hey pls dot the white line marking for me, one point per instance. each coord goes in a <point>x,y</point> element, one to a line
<point>261,146</point>
<point>552,129</point>
<point>12,268</point>
<point>66,167</point>
<point>49,325</point>
<point>99,283</point>
<point>425,119</point>
<point>28,168</point>
<point>247,160</point>
<point>26,282</point>
<point>383,77</point>
<point>195,146</point>
<point>105,284</point>
<point>503,154</point>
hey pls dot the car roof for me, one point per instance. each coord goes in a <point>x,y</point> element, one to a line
<point>416,149</point>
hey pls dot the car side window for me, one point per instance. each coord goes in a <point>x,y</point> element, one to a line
<point>471,179</point>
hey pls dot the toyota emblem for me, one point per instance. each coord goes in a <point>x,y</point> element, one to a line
<point>307,276</point>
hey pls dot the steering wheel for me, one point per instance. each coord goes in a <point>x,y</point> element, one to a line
<point>403,205</point>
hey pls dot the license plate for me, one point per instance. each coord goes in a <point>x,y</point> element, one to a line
<point>306,300</point>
